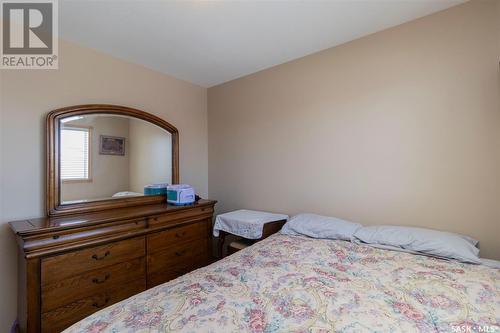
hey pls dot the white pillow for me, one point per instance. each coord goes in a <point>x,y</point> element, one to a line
<point>490,263</point>
<point>318,226</point>
<point>421,240</point>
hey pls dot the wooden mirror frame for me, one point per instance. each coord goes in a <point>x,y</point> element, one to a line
<point>53,191</point>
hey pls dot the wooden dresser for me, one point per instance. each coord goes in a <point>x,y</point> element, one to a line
<point>74,265</point>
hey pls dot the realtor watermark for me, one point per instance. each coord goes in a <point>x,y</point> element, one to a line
<point>474,329</point>
<point>29,37</point>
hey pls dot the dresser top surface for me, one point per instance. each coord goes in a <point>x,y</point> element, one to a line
<point>48,224</point>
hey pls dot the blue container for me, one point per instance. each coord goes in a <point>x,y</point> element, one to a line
<point>180,194</point>
<point>155,189</point>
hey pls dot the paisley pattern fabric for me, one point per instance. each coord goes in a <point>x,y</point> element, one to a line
<point>298,284</point>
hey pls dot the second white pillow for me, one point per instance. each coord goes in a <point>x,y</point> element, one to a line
<point>425,241</point>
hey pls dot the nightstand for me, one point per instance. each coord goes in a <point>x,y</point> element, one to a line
<point>249,225</point>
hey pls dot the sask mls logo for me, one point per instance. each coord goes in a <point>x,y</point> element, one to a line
<point>29,34</point>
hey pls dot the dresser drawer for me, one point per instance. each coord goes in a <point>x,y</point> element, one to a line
<point>73,263</point>
<point>181,215</point>
<point>90,283</point>
<point>177,254</point>
<point>162,240</point>
<point>166,274</point>
<point>64,316</point>
<point>177,260</point>
<point>59,239</point>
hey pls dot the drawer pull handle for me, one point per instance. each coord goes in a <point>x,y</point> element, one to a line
<point>180,234</point>
<point>100,258</point>
<point>97,305</point>
<point>180,253</point>
<point>97,281</point>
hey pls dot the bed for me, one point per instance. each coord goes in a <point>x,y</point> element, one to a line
<point>300,284</point>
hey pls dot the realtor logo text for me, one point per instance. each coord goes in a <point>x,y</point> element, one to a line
<point>29,34</point>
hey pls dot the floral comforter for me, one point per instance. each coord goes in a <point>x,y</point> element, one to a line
<point>298,284</point>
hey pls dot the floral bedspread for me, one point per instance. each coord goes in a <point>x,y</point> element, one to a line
<point>298,284</point>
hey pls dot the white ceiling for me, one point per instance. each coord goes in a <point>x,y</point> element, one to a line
<point>211,42</point>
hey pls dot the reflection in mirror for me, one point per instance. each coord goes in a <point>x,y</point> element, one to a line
<point>105,156</point>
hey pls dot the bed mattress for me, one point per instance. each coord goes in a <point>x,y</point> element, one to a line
<point>299,284</point>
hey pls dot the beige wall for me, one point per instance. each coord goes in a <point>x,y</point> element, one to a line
<point>84,76</point>
<point>151,155</point>
<point>109,173</point>
<point>400,127</point>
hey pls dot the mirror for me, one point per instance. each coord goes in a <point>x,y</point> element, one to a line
<point>110,156</point>
<point>102,156</point>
